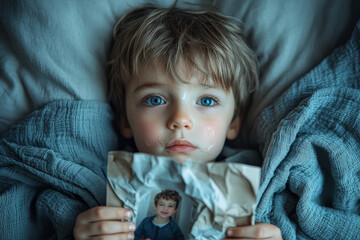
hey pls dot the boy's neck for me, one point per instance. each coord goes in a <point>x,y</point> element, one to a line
<point>160,220</point>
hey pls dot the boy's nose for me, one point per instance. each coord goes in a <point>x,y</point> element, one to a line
<point>180,119</point>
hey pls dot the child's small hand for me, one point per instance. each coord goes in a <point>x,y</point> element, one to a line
<point>257,231</point>
<point>103,223</point>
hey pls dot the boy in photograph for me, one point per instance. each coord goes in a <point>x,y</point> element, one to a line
<point>161,226</point>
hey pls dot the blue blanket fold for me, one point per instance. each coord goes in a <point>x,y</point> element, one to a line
<point>310,141</point>
<point>52,167</point>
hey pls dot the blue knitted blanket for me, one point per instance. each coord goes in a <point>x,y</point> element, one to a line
<point>52,167</point>
<point>310,142</point>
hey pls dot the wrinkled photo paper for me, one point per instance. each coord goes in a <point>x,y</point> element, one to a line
<point>215,196</point>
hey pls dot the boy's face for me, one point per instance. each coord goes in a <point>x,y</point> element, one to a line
<point>165,208</point>
<point>180,120</point>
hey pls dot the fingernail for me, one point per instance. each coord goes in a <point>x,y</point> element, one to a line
<point>130,236</point>
<point>230,233</point>
<point>132,227</point>
<point>128,214</point>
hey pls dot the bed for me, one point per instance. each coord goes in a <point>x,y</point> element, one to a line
<point>56,125</point>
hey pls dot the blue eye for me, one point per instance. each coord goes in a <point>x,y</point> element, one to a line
<point>154,101</point>
<point>207,102</point>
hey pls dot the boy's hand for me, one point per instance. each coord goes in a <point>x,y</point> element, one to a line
<point>103,223</point>
<point>257,231</point>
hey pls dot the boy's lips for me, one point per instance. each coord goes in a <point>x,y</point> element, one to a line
<point>180,146</point>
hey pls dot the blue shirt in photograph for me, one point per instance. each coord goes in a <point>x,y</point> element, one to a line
<point>147,229</point>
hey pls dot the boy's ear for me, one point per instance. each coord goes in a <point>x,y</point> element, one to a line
<point>234,128</point>
<point>124,127</point>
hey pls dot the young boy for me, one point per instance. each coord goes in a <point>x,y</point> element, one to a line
<point>179,83</point>
<point>161,226</point>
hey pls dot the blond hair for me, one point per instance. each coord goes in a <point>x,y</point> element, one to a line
<point>207,41</point>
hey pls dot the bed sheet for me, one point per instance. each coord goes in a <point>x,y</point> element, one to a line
<point>58,50</point>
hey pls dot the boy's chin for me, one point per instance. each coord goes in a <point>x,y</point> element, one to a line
<point>181,159</point>
<point>184,158</point>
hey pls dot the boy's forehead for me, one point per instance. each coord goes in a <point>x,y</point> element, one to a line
<point>153,74</point>
<point>164,200</point>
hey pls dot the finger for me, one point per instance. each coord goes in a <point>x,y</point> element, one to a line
<point>257,231</point>
<point>121,236</point>
<point>104,213</point>
<point>244,232</point>
<point>110,227</point>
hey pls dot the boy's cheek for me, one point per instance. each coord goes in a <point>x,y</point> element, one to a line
<point>212,131</point>
<point>213,135</point>
<point>146,135</point>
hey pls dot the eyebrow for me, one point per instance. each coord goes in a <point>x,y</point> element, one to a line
<point>161,201</point>
<point>208,85</point>
<point>149,86</point>
<point>161,85</point>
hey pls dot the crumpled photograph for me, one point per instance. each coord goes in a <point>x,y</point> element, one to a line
<point>199,200</point>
